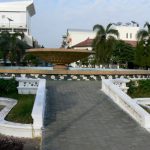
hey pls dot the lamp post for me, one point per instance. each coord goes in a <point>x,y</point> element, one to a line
<point>9,21</point>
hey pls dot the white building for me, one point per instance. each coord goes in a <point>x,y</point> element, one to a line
<point>83,38</point>
<point>128,33</point>
<point>15,16</point>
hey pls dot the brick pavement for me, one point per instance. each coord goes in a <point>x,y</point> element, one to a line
<point>80,117</point>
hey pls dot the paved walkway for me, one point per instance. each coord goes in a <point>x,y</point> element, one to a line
<point>80,117</point>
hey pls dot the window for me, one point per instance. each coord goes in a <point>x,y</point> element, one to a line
<point>130,35</point>
<point>127,35</point>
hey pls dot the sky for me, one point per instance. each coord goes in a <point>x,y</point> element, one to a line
<point>54,17</point>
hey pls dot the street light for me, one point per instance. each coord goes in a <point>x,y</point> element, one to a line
<point>9,21</point>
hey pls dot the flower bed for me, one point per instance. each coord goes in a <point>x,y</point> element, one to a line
<point>21,113</point>
<point>31,123</point>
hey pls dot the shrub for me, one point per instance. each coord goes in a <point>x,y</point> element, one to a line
<point>142,90</point>
<point>8,86</point>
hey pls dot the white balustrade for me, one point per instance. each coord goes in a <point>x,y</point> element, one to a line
<point>113,90</point>
<point>121,83</point>
<point>27,86</point>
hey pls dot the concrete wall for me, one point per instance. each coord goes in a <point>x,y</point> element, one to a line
<point>73,74</point>
<point>127,33</point>
<point>39,108</point>
<point>19,19</point>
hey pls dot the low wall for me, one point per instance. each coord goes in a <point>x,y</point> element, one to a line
<point>27,86</point>
<point>39,108</point>
<point>25,130</point>
<point>74,74</point>
<point>16,129</point>
<point>10,128</point>
<point>126,103</point>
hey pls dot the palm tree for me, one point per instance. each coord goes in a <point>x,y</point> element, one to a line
<point>104,42</point>
<point>142,53</point>
<point>144,34</point>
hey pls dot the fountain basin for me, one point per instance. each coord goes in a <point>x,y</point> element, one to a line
<point>60,57</point>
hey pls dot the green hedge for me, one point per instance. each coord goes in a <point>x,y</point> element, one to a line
<point>142,90</point>
<point>8,86</point>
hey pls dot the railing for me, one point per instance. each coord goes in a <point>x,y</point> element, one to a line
<point>125,102</point>
<point>39,108</point>
<point>27,86</point>
<point>121,83</point>
<point>25,68</point>
<point>38,87</point>
<point>13,25</point>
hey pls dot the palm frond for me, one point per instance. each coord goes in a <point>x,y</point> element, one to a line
<point>99,28</point>
<point>147,24</point>
<point>113,32</point>
<point>142,34</point>
<point>108,27</point>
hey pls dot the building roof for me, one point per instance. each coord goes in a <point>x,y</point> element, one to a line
<point>18,5</point>
<point>133,43</point>
<point>79,30</point>
<point>86,43</point>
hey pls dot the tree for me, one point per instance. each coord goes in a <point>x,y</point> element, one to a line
<point>4,45</point>
<point>104,43</point>
<point>142,53</point>
<point>144,34</point>
<point>12,46</point>
<point>123,53</point>
<point>85,61</point>
<point>17,48</point>
<point>31,60</point>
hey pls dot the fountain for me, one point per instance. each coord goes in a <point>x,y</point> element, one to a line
<point>60,57</point>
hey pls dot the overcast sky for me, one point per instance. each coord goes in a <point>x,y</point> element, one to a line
<point>54,17</point>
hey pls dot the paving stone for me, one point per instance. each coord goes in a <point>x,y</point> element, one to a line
<point>81,117</point>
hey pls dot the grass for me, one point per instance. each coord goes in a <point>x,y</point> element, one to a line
<point>21,113</point>
<point>140,91</point>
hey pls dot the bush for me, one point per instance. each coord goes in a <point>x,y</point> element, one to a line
<point>142,90</point>
<point>8,86</point>
<point>21,113</point>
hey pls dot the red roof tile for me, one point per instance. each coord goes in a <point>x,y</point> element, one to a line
<point>133,43</point>
<point>86,43</point>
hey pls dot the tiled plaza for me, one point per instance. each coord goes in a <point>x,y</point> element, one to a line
<point>80,117</point>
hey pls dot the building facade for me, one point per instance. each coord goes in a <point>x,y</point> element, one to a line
<point>15,16</point>
<point>83,38</point>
